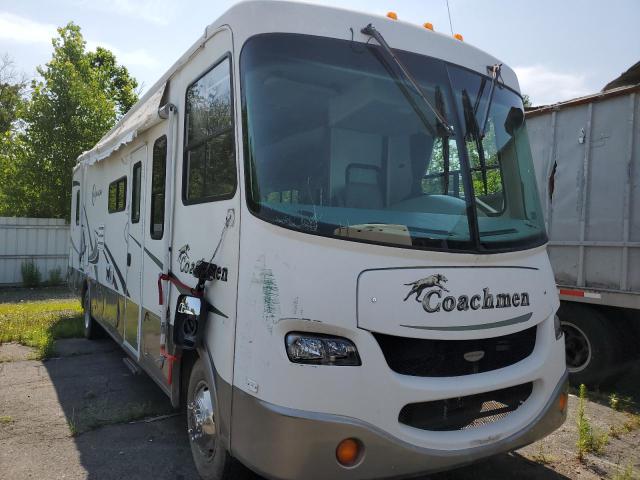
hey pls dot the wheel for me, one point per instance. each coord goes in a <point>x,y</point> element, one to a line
<point>91,328</point>
<point>212,460</point>
<point>590,345</point>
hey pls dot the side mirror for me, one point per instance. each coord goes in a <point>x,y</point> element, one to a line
<point>515,119</point>
<point>190,317</point>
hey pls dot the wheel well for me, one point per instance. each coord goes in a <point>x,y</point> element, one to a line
<point>187,361</point>
<point>83,290</point>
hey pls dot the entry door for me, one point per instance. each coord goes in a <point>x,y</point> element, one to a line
<point>135,249</point>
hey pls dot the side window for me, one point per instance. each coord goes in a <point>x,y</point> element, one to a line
<point>158,173</point>
<point>209,169</point>
<point>117,195</point>
<point>135,192</point>
<point>78,207</point>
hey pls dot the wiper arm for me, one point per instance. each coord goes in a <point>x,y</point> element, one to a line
<point>495,74</point>
<point>373,32</point>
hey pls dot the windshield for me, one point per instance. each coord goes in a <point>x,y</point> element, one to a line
<point>336,144</point>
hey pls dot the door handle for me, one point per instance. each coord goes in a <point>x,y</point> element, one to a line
<point>128,259</point>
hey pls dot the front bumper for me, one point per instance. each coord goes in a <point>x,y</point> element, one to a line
<point>284,443</point>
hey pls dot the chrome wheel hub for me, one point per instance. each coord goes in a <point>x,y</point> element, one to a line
<point>201,422</point>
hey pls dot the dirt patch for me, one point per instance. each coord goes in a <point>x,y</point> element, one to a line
<point>13,352</point>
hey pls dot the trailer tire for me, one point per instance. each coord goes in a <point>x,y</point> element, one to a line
<point>92,330</point>
<point>591,357</point>
<point>211,458</point>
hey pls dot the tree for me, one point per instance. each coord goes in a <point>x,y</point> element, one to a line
<point>12,87</point>
<point>78,98</point>
<point>526,100</point>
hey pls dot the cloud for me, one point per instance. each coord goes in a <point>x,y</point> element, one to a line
<point>157,12</point>
<point>546,86</point>
<point>19,29</point>
<point>138,57</point>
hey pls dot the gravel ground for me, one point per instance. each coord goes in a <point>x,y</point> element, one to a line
<point>80,416</point>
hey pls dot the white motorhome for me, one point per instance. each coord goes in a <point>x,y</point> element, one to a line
<point>320,231</point>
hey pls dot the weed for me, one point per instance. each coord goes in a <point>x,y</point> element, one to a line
<point>4,419</point>
<point>55,277</point>
<point>38,324</point>
<point>614,401</point>
<point>31,276</point>
<point>632,423</point>
<point>626,474</point>
<point>541,456</point>
<point>590,440</point>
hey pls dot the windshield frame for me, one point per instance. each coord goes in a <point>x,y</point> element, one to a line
<point>473,246</point>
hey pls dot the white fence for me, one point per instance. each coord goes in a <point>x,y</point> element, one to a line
<point>43,240</point>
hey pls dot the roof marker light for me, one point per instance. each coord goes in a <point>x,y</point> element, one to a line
<point>457,36</point>
<point>428,26</point>
<point>392,15</point>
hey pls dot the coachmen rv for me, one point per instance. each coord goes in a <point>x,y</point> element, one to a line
<point>320,232</point>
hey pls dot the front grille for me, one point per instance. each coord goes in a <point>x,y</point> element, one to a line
<point>446,358</point>
<point>465,412</point>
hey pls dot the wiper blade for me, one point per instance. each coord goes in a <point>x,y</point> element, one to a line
<point>373,32</point>
<point>495,74</point>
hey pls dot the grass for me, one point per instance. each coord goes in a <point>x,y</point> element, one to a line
<point>38,324</point>
<point>590,440</point>
<point>4,419</point>
<point>623,474</point>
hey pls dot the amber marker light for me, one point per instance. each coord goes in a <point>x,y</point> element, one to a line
<point>457,36</point>
<point>392,15</point>
<point>563,400</point>
<point>349,452</point>
<point>428,26</point>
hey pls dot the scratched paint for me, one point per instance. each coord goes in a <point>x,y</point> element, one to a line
<point>270,298</point>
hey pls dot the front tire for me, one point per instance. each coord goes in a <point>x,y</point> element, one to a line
<point>211,458</point>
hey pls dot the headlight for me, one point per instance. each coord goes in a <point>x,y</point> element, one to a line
<point>319,349</point>
<point>558,327</point>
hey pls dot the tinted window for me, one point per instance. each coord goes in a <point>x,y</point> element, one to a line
<point>135,193</point>
<point>209,170</point>
<point>118,195</point>
<point>78,207</point>
<point>157,187</point>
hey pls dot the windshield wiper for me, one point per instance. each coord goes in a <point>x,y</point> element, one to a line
<point>495,74</point>
<point>373,32</point>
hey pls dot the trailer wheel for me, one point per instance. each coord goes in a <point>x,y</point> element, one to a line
<point>212,460</point>
<point>589,345</point>
<point>91,328</point>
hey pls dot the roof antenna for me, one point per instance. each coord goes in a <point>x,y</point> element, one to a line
<point>449,12</point>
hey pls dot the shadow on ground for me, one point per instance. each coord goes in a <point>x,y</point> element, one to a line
<point>84,414</point>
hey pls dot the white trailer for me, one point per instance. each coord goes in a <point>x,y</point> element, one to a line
<point>320,231</point>
<point>586,155</point>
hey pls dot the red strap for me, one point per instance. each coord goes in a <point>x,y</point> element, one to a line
<point>182,287</point>
<point>171,358</point>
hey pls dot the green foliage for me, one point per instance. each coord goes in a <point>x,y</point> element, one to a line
<point>11,92</point>
<point>526,100</point>
<point>31,276</point>
<point>625,474</point>
<point>77,99</point>
<point>589,439</point>
<point>55,277</point>
<point>38,324</point>
<point>614,401</point>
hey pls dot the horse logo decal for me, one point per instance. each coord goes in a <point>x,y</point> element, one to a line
<point>432,281</point>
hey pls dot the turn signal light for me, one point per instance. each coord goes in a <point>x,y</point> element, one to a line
<point>428,26</point>
<point>392,15</point>
<point>349,452</point>
<point>457,36</point>
<point>563,401</point>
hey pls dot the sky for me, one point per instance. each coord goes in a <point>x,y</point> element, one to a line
<point>560,49</point>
